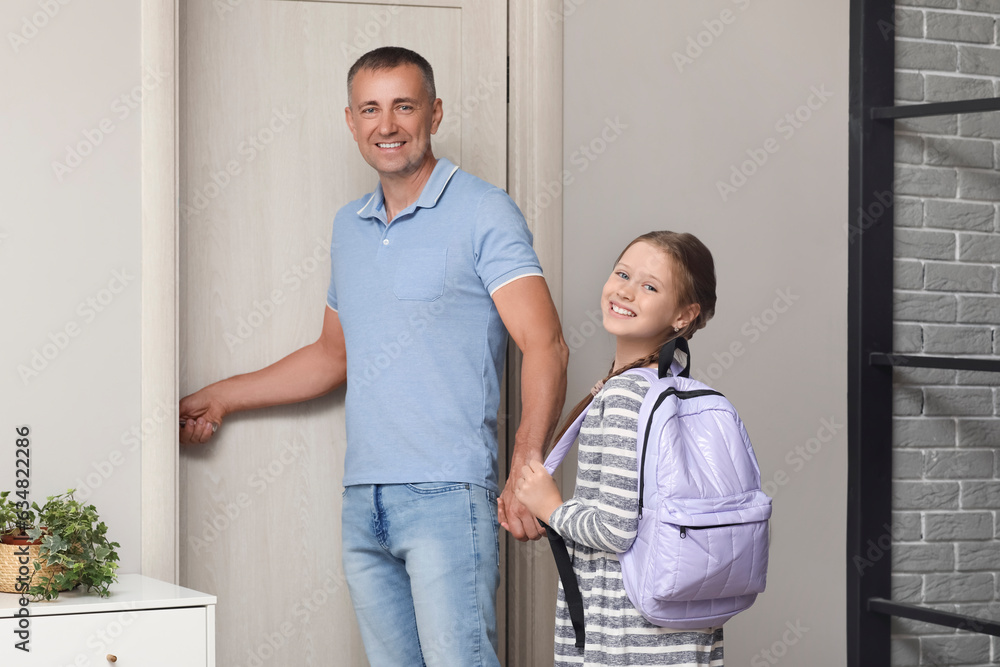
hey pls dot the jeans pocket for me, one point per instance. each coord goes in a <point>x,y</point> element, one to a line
<point>491,497</point>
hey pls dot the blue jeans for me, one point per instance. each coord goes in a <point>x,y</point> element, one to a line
<point>422,564</point>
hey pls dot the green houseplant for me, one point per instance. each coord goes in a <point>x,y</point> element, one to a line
<point>13,516</point>
<point>71,540</point>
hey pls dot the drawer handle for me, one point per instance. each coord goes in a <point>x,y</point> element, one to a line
<point>112,658</point>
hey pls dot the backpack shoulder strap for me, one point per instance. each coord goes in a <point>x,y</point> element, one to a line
<point>564,565</point>
<point>562,447</point>
<point>669,362</point>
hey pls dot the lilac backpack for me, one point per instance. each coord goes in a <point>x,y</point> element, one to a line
<point>700,555</point>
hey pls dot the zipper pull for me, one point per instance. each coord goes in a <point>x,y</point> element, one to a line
<point>684,532</point>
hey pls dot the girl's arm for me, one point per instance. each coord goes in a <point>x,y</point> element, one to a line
<point>610,522</point>
<point>537,491</point>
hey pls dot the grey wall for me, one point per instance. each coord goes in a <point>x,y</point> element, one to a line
<point>665,104</point>
<point>945,463</point>
<point>70,254</point>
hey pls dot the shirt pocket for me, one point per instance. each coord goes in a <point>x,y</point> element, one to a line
<point>420,275</point>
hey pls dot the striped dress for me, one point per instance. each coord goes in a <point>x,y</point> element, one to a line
<point>599,522</point>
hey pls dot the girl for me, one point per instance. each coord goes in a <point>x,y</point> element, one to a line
<point>662,287</point>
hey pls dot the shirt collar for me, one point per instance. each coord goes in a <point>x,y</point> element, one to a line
<point>374,207</point>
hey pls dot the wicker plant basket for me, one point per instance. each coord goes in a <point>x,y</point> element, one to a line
<point>10,566</point>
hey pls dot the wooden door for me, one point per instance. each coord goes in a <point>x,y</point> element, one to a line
<point>265,162</point>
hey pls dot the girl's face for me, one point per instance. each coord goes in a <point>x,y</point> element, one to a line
<point>639,301</point>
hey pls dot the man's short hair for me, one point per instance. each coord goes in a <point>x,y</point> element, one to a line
<point>388,57</point>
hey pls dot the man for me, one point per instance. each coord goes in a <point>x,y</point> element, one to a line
<point>438,264</point>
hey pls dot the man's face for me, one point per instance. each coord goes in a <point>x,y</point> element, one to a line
<point>392,119</point>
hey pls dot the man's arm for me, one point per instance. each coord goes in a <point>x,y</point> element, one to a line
<point>311,371</point>
<point>527,311</point>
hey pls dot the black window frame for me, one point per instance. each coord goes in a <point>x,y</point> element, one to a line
<point>872,113</point>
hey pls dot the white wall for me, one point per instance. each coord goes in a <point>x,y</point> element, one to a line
<point>70,253</point>
<point>648,136</point>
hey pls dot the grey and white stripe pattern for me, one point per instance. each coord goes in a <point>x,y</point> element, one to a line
<point>599,522</point>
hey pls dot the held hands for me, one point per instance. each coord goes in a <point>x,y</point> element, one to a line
<point>515,518</point>
<point>537,491</point>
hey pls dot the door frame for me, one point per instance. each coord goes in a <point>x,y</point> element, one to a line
<point>160,460</point>
<point>534,181</point>
<point>534,163</point>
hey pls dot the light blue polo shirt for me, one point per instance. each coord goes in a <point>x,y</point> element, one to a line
<point>425,344</point>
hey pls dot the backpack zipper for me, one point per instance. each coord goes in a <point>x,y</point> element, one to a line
<point>685,529</point>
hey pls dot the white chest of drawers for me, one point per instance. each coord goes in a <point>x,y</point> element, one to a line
<point>145,623</point>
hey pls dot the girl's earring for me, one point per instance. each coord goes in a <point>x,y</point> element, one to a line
<point>676,329</point>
